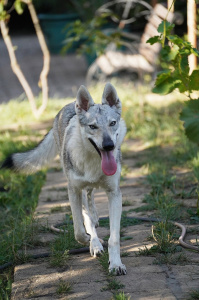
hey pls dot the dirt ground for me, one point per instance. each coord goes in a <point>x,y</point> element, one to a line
<point>144,280</point>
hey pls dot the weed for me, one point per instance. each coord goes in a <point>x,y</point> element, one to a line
<point>194,295</point>
<point>113,284</point>
<point>160,181</point>
<point>163,235</point>
<point>146,251</point>
<point>121,296</point>
<point>59,258</point>
<point>194,230</point>
<point>64,241</point>
<point>186,194</point>
<point>171,259</point>
<point>125,254</point>
<point>126,238</point>
<point>57,209</point>
<point>63,287</point>
<point>126,203</point>
<point>125,221</point>
<point>5,285</point>
<point>104,259</point>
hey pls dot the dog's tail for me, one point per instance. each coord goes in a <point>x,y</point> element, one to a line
<point>32,161</point>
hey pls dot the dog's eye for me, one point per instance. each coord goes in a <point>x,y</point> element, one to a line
<point>113,123</point>
<point>93,127</point>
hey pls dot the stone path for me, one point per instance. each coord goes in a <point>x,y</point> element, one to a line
<point>144,280</point>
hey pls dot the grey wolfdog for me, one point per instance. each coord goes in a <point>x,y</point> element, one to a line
<point>87,136</point>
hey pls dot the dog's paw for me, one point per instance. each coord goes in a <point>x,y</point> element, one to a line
<point>96,248</point>
<point>117,270</point>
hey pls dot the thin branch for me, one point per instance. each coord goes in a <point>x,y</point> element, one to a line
<point>16,68</point>
<point>46,56</point>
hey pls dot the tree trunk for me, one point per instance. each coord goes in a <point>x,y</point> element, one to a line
<point>191,29</point>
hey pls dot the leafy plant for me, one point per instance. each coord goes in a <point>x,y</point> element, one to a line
<point>63,287</point>
<point>113,284</point>
<point>194,295</point>
<point>163,235</point>
<point>176,74</point>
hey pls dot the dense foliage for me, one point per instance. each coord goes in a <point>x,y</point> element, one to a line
<point>176,74</point>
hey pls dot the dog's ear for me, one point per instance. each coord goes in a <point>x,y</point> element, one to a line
<point>110,97</point>
<point>84,100</point>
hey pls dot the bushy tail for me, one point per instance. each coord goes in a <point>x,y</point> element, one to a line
<point>32,161</point>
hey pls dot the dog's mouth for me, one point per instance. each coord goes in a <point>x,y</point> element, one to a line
<point>108,162</point>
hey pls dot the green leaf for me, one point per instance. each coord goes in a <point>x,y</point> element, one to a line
<point>175,39</point>
<point>168,54</point>
<point>1,7</point>
<point>162,76</point>
<point>184,64</point>
<point>190,117</point>
<point>195,51</point>
<point>165,26</point>
<point>174,51</point>
<point>153,40</point>
<point>18,7</point>
<point>194,80</point>
<point>167,86</point>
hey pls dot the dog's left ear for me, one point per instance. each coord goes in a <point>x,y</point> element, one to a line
<point>110,97</point>
<point>84,100</point>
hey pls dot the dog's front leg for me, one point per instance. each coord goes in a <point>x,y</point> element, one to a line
<point>75,198</point>
<point>115,209</point>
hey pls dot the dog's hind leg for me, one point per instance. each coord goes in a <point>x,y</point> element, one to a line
<point>96,247</point>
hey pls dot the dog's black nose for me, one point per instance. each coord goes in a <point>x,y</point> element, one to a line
<point>108,145</point>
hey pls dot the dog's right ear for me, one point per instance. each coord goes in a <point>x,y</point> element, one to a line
<point>84,100</point>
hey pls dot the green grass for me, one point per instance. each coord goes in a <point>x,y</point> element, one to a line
<point>113,284</point>
<point>172,259</point>
<point>121,296</point>
<point>23,116</point>
<point>125,222</point>
<point>57,209</point>
<point>62,244</point>
<point>103,260</point>
<point>194,295</point>
<point>63,287</point>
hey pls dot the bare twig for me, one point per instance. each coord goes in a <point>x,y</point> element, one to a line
<point>16,68</point>
<point>46,56</point>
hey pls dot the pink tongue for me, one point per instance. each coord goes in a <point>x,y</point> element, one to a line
<point>109,166</point>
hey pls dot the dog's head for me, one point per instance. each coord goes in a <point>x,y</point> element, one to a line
<point>100,124</point>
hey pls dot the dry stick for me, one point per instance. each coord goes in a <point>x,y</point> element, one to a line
<point>46,56</point>
<point>16,68</point>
